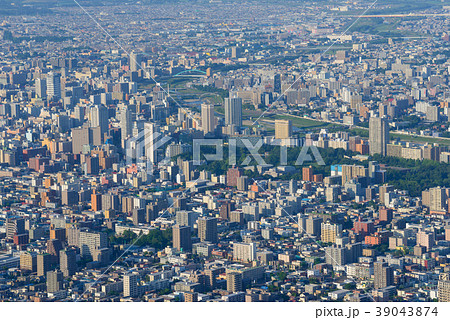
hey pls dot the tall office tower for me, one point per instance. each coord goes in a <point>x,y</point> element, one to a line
<point>90,242</point>
<point>14,226</point>
<point>207,229</point>
<point>277,83</point>
<point>126,122</point>
<point>152,136</point>
<point>182,238</point>
<point>283,129</point>
<point>99,118</point>
<point>28,261</point>
<point>208,123</point>
<point>43,264</point>
<point>130,287</point>
<point>135,61</point>
<point>235,51</point>
<point>383,275</point>
<point>40,86</point>
<point>245,252</point>
<point>313,226</point>
<point>293,186</point>
<point>234,282</point>
<point>378,135</point>
<point>53,85</point>
<point>233,111</point>
<point>54,281</point>
<point>68,261</point>
<point>444,287</point>
<point>329,232</point>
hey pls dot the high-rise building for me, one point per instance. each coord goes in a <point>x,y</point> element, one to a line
<point>54,281</point>
<point>186,218</point>
<point>208,121</point>
<point>96,201</point>
<point>130,287</point>
<point>211,277</point>
<point>386,214</point>
<point>188,169</point>
<point>232,175</point>
<point>28,261</point>
<point>302,223</point>
<point>190,297</point>
<point>425,239</point>
<point>245,252</point>
<point>444,287</point>
<point>378,135</point>
<point>293,186</point>
<point>313,226</point>
<point>91,165</point>
<point>43,264</point>
<point>235,51</point>
<point>233,111</point>
<point>207,229</point>
<point>85,136</point>
<point>336,255</point>
<point>14,226</point>
<point>68,261</point>
<point>234,282</point>
<point>307,174</point>
<point>383,190</point>
<point>277,83</point>
<point>330,231</point>
<point>225,209</point>
<point>283,129</point>
<point>126,122</point>
<point>99,118</point>
<point>92,241</point>
<point>242,183</point>
<point>54,85</point>
<point>135,61</point>
<point>332,193</point>
<point>383,275</point>
<point>438,199</point>
<point>182,237</point>
<point>40,86</point>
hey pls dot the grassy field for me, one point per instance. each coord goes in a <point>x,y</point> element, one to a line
<point>418,139</point>
<point>300,122</point>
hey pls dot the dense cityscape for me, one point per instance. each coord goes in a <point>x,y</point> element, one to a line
<point>225,151</point>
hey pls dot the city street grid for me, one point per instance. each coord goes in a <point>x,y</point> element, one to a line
<point>320,55</point>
